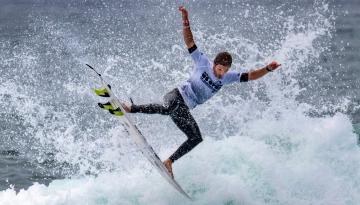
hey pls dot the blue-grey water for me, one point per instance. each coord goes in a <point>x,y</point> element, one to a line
<point>289,138</point>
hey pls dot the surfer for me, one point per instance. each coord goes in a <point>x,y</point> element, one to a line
<point>206,80</point>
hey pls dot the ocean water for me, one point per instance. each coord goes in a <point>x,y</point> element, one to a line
<point>291,137</point>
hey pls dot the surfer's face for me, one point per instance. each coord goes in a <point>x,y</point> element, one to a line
<point>220,70</point>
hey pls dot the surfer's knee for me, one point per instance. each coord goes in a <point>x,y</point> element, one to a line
<point>165,110</point>
<point>197,140</point>
<point>197,135</point>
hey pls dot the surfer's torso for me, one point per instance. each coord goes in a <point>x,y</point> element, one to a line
<point>203,83</point>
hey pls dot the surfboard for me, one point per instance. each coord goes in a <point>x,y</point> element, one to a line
<point>115,108</point>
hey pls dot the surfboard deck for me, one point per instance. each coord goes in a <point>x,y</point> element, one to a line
<point>136,135</point>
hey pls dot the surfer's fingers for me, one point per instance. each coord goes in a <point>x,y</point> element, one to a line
<point>183,11</point>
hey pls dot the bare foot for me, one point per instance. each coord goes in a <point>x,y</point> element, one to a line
<point>126,106</point>
<point>168,165</point>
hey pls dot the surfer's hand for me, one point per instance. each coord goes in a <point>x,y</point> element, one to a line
<point>185,18</point>
<point>183,11</point>
<point>273,65</point>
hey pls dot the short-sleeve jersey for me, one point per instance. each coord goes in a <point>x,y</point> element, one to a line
<point>203,83</point>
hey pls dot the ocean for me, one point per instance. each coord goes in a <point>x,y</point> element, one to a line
<point>289,138</point>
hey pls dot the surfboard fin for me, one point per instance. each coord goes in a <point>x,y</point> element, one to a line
<point>106,106</point>
<point>102,92</point>
<point>116,112</point>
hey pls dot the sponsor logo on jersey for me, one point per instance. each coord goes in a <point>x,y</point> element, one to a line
<point>214,86</point>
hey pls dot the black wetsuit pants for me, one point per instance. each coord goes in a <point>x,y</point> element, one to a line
<point>175,107</point>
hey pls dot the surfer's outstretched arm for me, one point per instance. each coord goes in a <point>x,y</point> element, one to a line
<point>188,37</point>
<point>256,74</point>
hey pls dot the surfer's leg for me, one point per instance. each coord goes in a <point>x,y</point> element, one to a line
<point>170,103</point>
<point>186,123</point>
<point>150,109</point>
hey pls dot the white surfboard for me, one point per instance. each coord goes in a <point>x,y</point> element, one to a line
<point>140,140</point>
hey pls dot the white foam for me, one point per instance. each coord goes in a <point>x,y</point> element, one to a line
<point>315,161</point>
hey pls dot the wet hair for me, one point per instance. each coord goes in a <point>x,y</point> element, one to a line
<point>223,58</point>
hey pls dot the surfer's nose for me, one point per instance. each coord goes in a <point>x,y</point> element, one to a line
<point>222,73</point>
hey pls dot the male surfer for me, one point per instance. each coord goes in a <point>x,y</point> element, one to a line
<point>206,80</point>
